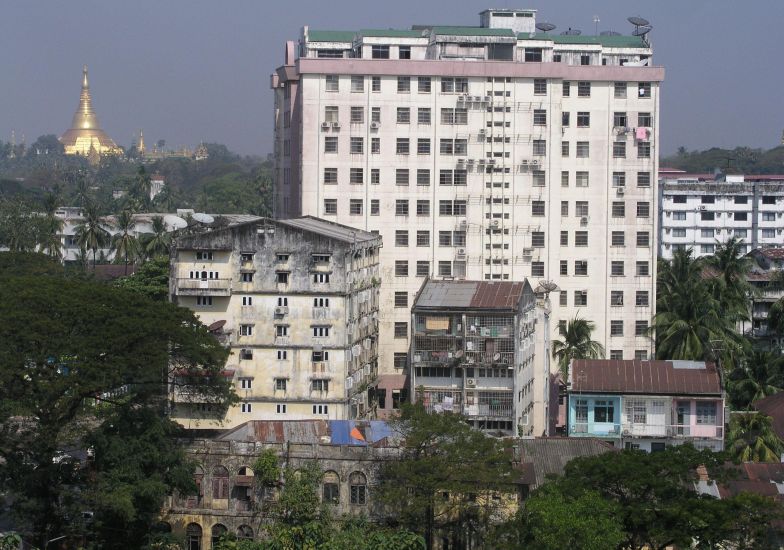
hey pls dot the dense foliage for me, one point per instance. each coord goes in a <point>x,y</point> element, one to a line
<point>741,160</point>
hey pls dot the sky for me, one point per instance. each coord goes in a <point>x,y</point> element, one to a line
<point>193,70</point>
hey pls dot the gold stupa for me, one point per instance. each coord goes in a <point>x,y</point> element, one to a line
<point>85,136</point>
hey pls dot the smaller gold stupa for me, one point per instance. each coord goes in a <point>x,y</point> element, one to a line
<point>85,136</point>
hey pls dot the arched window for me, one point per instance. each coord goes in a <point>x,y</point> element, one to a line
<point>242,492</point>
<point>193,500</point>
<point>245,532</point>
<point>193,536</point>
<point>218,531</point>
<point>220,482</point>
<point>358,485</point>
<point>331,488</point>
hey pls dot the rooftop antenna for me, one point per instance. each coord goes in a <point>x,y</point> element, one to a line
<point>545,27</point>
<point>638,21</point>
<point>596,24</point>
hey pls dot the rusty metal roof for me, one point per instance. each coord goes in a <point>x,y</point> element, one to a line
<point>773,253</point>
<point>761,478</point>
<point>645,377</point>
<point>773,406</point>
<point>330,229</point>
<point>543,456</point>
<point>279,431</point>
<point>439,294</point>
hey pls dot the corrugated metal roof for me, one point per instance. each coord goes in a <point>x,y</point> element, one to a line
<point>545,456</point>
<point>338,432</point>
<point>330,36</point>
<point>330,229</point>
<point>391,33</point>
<point>621,41</point>
<point>773,406</point>
<point>471,31</point>
<point>773,253</point>
<point>645,377</point>
<point>470,295</point>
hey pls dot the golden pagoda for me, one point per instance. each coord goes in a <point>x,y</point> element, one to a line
<point>85,133</point>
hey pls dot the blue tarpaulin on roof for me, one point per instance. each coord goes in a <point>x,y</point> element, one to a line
<point>353,432</point>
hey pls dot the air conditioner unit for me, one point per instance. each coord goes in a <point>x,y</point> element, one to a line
<point>336,125</point>
<point>494,223</point>
<point>491,161</point>
<point>471,382</point>
<point>524,162</point>
<point>482,132</point>
<point>528,251</point>
<point>461,251</point>
<point>462,225</point>
<point>374,125</point>
<point>461,161</point>
<point>620,191</point>
<point>471,161</point>
<point>667,230</point>
<point>325,125</point>
<point>584,220</point>
<point>482,161</point>
<point>702,207</point>
<point>534,163</point>
<point>488,99</point>
<point>281,310</point>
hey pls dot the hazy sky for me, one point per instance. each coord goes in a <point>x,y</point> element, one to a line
<point>197,70</point>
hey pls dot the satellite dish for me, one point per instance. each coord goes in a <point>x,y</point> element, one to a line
<point>202,218</point>
<point>642,31</point>
<point>609,33</point>
<point>638,21</point>
<point>217,325</point>
<point>572,32</point>
<point>174,222</point>
<point>545,27</point>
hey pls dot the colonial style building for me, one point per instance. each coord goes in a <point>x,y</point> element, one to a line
<point>492,152</point>
<point>473,352</point>
<point>296,301</point>
<point>647,404</point>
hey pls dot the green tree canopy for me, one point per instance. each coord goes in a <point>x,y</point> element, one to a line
<point>575,343</point>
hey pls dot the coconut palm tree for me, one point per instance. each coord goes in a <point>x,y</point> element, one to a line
<point>760,374</point>
<point>731,287</point>
<point>575,343</point>
<point>50,228</point>
<point>141,187</point>
<point>158,243</point>
<point>751,438</point>
<point>90,234</point>
<point>124,243</point>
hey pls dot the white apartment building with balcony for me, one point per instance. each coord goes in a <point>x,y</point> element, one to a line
<point>492,152</point>
<point>700,211</point>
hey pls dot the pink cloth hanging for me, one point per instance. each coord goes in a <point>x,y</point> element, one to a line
<point>641,134</point>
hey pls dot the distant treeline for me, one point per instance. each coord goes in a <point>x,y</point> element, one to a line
<point>741,160</point>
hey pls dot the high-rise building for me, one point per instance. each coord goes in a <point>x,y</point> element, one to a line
<point>495,152</point>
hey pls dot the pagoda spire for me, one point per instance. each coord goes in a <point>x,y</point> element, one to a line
<point>85,131</point>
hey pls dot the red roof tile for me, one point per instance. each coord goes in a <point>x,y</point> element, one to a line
<point>645,377</point>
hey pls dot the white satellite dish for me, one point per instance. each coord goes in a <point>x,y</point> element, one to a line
<point>202,218</point>
<point>174,222</point>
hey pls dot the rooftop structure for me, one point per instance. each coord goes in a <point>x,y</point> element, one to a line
<point>85,134</point>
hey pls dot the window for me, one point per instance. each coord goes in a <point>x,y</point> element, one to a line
<point>580,238</point>
<point>619,119</point>
<point>454,85</point>
<point>422,268</point>
<point>375,176</point>
<point>564,148</point>
<point>620,90</point>
<point>537,269</point>
<point>375,149</point>
<point>423,115</point>
<point>580,298</point>
<point>581,267</point>
<point>769,216</point>
<point>618,209</point>
<point>375,84</point>
<point>616,268</point>
<point>330,488</point>
<point>444,269</point>
<point>619,179</point>
<point>357,145</point>
<point>641,328</point>
<point>641,355</point>
<point>404,52</point>
<point>332,83</point>
<point>423,146</point>
<point>564,238</point>
<point>537,239</point>
<point>203,300</point>
<point>564,268</point>
<point>564,178</point>
<point>401,268</point>
<point>680,217</point>
<point>618,238</point>
<point>539,148</point>
<point>375,207</point>
<point>321,277</point>
<point>644,119</point>
<point>739,216</point>
<point>320,331</point>
<point>768,233</point>
<point>644,89</point>
<point>454,116</point>
<point>401,207</point>
<point>564,119</point>
<point>616,297</point>
<point>604,411</point>
<point>379,52</point>
<point>766,199</point>
<point>563,298</point>
<point>358,488</point>
<point>246,383</point>
<point>616,327</point>
<point>641,298</point>
<point>401,299</point>
<point>540,86</point>
<point>708,216</point>
<point>403,147</point>
<point>566,88</point>
<point>319,385</point>
<point>401,176</point>
<point>403,115</point>
<point>706,413</point>
<point>679,232</point>
<point>423,238</point>
<point>423,177</point>
<point>616,355</point>
<point>247,300</point>
<point>581,179</point>
<point>444,238</point>
<point>280,408</point>
<point>583,119</point>
<point>423,207</point>
<point>644,150</point>
<point>643,209</point>
<point>643,179</point>
<point>202,255</point>
<point>375,114</point>
<point>643,270</point>
<point>643,239</point>
<point>280,384</point>
<point>401,330</point>
<point>330,176</point>
<point>537,208</point>
<point>330,144</point>
<point>583,149</point>
<point>564,208</point>
<point>401,237</point>
<point>281,277</point>
<point>356,176</point>
<point>540,117</point>
<point>619,149</point>
<point>533,55</point>
<point>357,84</point>
<point>583,89</point>
<point>320,302</point>
<point>403,84</point>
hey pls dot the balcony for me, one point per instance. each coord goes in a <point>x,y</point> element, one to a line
<point>594,429</point>
<point>203,287</point>
<point>698,431</point>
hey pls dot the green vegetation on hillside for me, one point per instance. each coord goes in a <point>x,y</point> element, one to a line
<point>740,160</point>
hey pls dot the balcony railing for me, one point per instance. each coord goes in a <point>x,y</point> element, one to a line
<point>592,429</point>
<point>203,287</point>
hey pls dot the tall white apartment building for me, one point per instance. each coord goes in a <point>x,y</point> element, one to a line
<point>699,211</point>
<point>488,153</point>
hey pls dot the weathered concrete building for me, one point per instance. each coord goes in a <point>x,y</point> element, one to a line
<point>296,301</point>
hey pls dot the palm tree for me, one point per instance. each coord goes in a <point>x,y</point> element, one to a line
<point>141,187</point>
<point>689,317</point>
<point>751,438</point>
<point>124,242</point>
<point>576,343</point>
<point>158,243</point>
<point>50,228</point>
<point>761,374</point>
<point>90,234</point>
<point>731,288</point>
